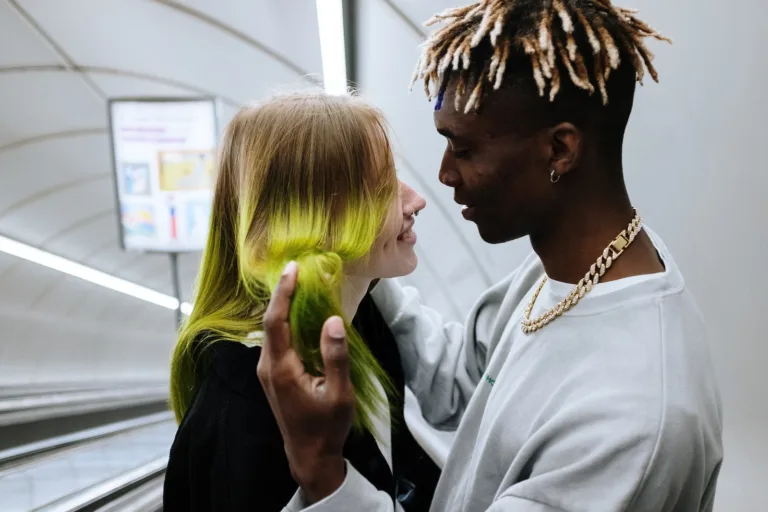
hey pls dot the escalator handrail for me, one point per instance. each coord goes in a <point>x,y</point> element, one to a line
<point>29,408</point>
<point>71,398</point>
<point>22,452</point>
<point>104,490</point>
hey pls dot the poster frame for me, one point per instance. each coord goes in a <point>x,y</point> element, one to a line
<point>216,104</point>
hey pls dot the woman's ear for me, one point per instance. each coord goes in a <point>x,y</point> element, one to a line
<point>565,140</point>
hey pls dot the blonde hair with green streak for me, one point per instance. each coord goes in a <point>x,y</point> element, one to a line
<point>306,177</point>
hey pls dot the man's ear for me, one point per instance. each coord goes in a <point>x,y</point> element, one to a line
<point>565,141</point>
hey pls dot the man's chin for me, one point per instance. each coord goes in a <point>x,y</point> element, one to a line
<point>495,234</point>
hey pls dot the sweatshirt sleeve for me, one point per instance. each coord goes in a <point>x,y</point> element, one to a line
<point>356,494</point>
<point>442,361</point>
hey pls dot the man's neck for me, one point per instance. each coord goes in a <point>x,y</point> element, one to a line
<point>573,242</point>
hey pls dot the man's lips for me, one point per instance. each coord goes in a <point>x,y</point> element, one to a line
<point>462,201</point>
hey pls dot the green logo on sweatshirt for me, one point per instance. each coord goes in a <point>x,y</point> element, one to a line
<point>490,380</point>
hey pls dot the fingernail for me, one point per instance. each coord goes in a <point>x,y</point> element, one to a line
<point>336,328</point>
<point>289,268</point>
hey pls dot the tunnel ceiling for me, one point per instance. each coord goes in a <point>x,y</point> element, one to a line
<point>60,62</point>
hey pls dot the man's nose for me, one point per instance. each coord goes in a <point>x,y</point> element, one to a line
<point>448,175</point>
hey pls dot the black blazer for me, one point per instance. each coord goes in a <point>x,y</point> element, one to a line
<point>228,452</point>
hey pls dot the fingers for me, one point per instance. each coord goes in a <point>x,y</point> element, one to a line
<point>333,347</point>
<point>277,339</point>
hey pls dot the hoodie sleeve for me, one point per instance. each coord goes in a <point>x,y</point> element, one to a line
<point>443,361</point>
<point>356,494</point>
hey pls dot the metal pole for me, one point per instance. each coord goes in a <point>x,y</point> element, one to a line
<point>349,10</point>
<point>176,283</point>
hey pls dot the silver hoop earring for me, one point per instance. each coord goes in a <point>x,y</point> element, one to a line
<point>554,177</point>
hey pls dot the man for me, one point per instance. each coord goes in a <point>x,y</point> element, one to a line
<point>582,381</point>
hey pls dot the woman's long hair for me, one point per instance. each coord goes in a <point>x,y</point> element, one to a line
<point>304,177</point>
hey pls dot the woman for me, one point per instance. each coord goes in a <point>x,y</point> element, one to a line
<point>310,178</point>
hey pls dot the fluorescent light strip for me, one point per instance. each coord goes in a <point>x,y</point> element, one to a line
<point>330,21</point>
<point>46,259</point>
<point>186,308</point>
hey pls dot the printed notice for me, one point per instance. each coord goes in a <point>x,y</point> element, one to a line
<point>165,164</point>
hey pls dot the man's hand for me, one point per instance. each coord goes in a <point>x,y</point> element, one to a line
<point>314,414</point>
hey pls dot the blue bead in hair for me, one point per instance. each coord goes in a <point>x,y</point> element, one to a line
<point>440,95</point>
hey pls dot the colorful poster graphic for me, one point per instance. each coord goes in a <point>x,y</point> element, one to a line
<point>174,229</point>
<point>186,170</point>
<point>198,215</point>
<point>138,220</point>
<point>164,162</point>
<point>136,179</point>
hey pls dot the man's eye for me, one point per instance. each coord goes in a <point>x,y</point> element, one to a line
<point>461,154</point>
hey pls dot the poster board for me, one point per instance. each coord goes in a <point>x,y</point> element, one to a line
<point>164,162</point>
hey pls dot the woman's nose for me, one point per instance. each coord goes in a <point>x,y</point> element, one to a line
<point>419,203</point>
<point>413,202</point>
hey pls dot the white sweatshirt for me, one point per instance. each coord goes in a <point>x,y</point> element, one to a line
<point>611,407</point>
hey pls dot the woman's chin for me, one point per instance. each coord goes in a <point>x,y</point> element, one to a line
<point>403,266</point>
<point>408,265</point>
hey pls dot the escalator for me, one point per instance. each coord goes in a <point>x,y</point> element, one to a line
<point>109,466</point>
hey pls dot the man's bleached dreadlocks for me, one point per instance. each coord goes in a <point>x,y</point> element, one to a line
<point>546,31</point>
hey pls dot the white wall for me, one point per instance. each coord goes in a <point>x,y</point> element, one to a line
<point>57,68</point>
<point>695,170</point>
<point>55,328</point>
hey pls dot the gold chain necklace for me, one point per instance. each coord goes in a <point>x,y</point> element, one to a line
<point>591,278</point>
